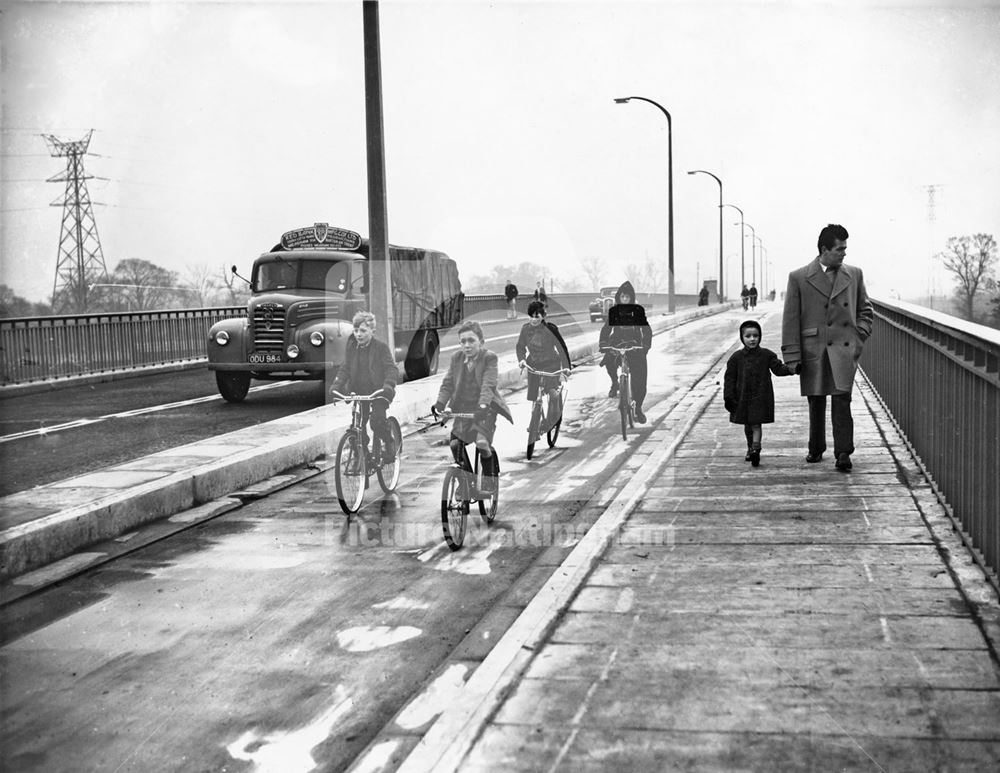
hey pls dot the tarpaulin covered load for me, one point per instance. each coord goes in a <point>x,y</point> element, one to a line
<point>426,291</point>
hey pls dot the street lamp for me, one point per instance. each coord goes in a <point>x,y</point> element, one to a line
<point>760,243</point>
<point>753,248</point>
<point>743,261</point>
<point>763,265</point>
<point>702,171</point>
<point>670,196</point>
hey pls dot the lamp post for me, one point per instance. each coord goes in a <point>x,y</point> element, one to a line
<point>743,277</point>
<point>702,171</point>
<point>763,266</point>
<point>753,249</point>
<point>670,196</point>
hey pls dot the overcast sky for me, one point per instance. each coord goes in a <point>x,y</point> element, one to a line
<point>221,125</point>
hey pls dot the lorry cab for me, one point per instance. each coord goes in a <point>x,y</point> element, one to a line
<point>304,293</point>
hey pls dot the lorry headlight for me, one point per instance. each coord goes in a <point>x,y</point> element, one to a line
<point>292,351</point>
<point>316,338</point>
<point>222,338</point>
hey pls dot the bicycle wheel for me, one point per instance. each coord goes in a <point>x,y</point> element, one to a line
<point>533,425</point>
<point>553,434</point>
<point>350,473</point>
<point>388,470</point>
<point>454,507</point>
<point>624,400</point>
<point>488,505</point>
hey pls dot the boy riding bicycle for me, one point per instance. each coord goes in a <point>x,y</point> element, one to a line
<point>541,346</point>
<point>627,326</point>
<point>368,366</point>
<point>470,386</point>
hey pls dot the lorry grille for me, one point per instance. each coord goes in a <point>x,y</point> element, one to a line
<point>268,329</point>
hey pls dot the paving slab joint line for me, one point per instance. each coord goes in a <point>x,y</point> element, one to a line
<point>874,400</point>
<point>991,576</point>
<point>453,734</point>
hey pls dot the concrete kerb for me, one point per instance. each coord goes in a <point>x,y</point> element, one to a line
<point>187,476</point>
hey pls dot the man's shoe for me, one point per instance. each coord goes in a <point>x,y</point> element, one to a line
<point>613,392</point>
<point>844,462</point>
<point>813,458</point>
<point>755,457</point>
<point>640,417</point>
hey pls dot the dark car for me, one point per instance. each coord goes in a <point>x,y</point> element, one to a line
<point>600,305</point>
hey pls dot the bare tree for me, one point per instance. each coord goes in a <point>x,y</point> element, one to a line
<point>142,285</point>
<point>205,288</point>
<point>654,273</point>
<point>593,269</point>
<point>971,260</point>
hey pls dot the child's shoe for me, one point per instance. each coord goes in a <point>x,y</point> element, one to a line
<point>749,455</point>
<point>755,456</point>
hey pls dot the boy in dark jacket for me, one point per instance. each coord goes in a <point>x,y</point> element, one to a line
<point>368,365</point>
<point>627,326</point>
<point>748,394</point>
<point>541,346</point>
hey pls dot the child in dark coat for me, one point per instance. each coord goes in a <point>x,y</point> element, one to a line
<point>748,394</point>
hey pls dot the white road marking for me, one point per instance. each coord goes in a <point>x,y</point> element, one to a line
<point>365,638</point>
<point>291,751</point>
<point>434,698</point>
<point>402,602</point>
<point>42,431</point>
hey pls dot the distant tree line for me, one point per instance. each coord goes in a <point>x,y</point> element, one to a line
<point>647,276</point>
<point>140,285</point>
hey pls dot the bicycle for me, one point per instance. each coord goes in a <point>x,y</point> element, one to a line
<point>626,405</point>
<point>463,484</point>
<point>356,461</point>
<point>540,410</point>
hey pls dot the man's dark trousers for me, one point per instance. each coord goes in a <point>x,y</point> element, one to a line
<point>843,424</point>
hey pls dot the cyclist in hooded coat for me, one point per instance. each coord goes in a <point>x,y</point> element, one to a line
<point>627,326</point>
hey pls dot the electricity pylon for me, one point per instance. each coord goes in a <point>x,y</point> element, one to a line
<point>80,260</point>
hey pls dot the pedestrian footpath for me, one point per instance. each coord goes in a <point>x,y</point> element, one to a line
<point>784,617</point>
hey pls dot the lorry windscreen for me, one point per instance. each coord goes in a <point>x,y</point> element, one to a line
<point>324,275</point>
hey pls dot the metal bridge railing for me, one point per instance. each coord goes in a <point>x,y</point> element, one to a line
<point>938,376</point>
<point>40,348</point>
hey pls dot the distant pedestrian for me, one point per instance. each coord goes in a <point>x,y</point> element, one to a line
<point>703,297</point>
<point>753,296</point>
<point>510,293</point>
<point>745,295</point>
<point>540,293</point>
<point>826,321</point>
<point>748,394</point>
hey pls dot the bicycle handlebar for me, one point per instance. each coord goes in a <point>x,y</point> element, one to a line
<point>560,372</point>
<point>446,414</point>
<point>622,351</point>
<point>353,398</point>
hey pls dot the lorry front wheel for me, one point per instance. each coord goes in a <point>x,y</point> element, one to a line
<point>233,385</point>
<point>426,363</point>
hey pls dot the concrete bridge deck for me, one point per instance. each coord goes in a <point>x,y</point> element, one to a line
<point>788,617</point>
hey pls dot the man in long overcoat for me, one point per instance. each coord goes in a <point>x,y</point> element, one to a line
<point>826,321</point>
